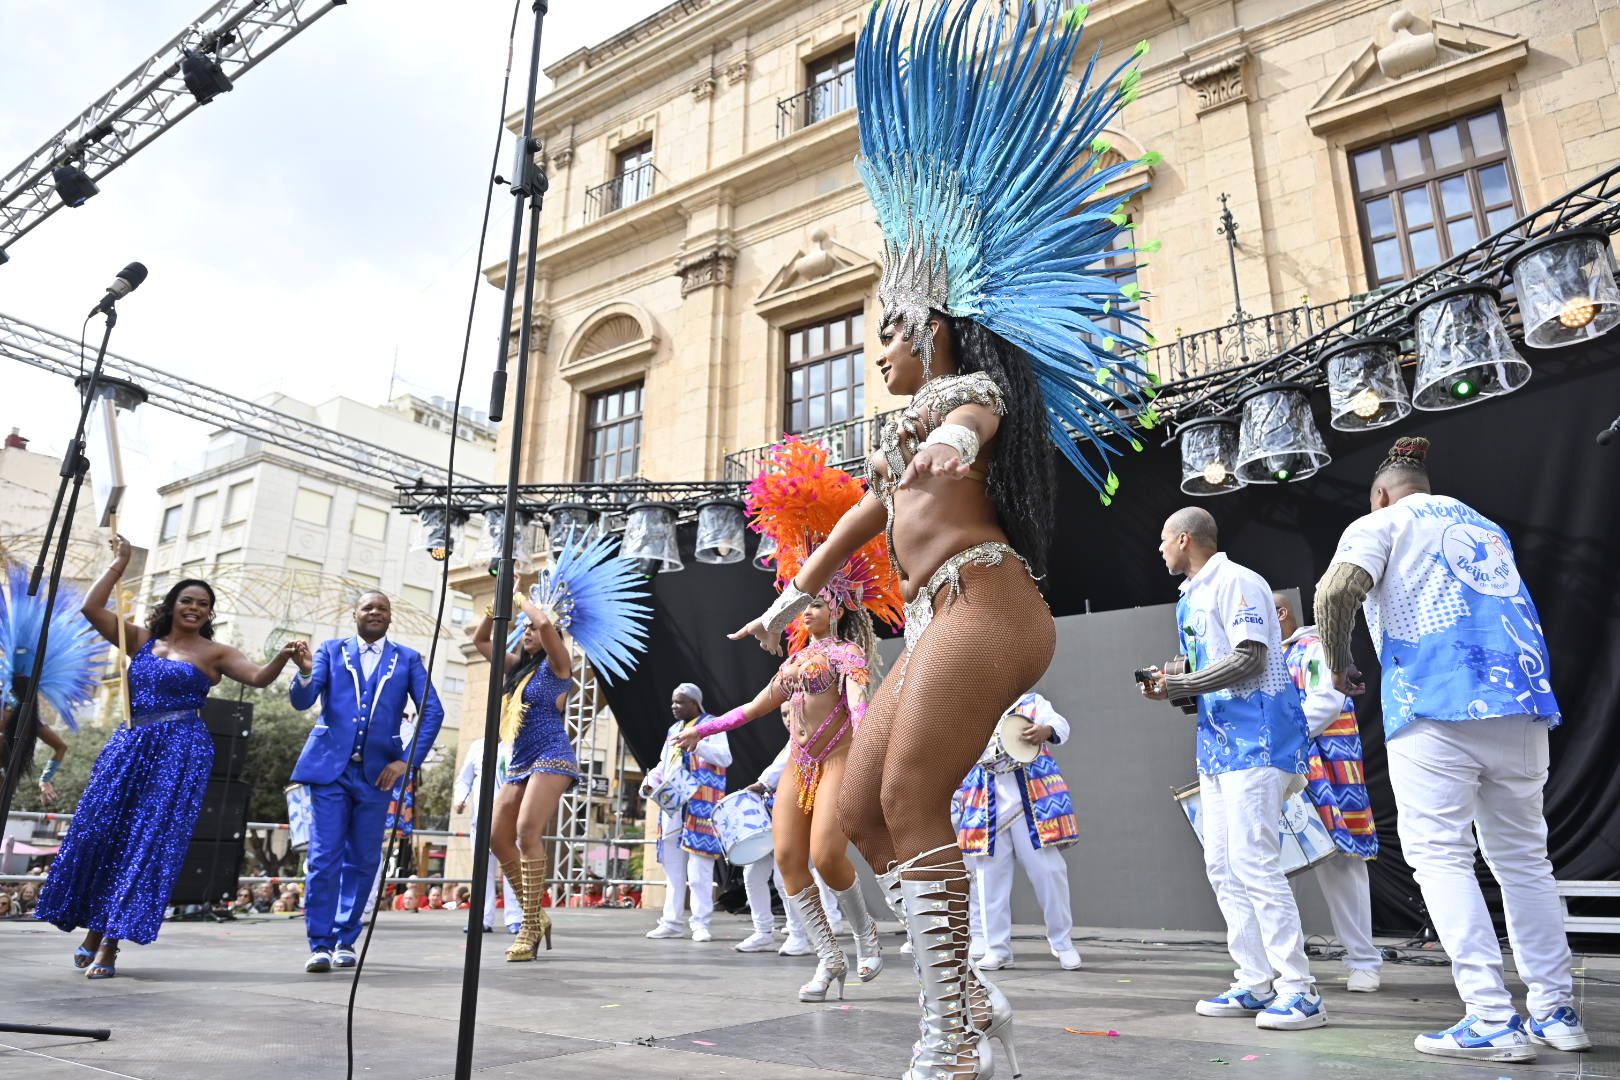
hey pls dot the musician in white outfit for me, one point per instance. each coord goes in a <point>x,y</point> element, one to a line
<point>756,879</point>
<point>688,844</point>
<point>1021,809</point>
<point>465,797</point>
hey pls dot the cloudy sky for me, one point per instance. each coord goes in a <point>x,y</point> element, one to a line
<point>302,231</point>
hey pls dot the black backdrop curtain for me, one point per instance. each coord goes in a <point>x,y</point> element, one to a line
<point>1528,461</point>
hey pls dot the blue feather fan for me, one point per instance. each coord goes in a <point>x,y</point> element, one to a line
<point>73,654</point>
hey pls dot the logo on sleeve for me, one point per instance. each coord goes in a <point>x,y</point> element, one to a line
<point>1479,558</point>
<point>1248,615</point>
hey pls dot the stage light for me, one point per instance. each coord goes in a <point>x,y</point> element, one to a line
<point>204,77</point>
<point>73,186</point>
<point>523,541</point>
<point>113,433</point>
<point>1566,287</point>
<point>1365,388</point>
<point>721,531</point>
<point>569,522</point>
<point>649,538</point>
<point>1277,438</point>
<point>1463,349</point>
<point>1209,456</point>
<point>765,556</point>
<point>440,533</point>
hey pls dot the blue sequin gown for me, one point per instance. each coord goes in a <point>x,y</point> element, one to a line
<point>542,744</point>
<point>124,850</point>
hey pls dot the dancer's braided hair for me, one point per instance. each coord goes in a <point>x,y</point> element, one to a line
<point>1406,458</point>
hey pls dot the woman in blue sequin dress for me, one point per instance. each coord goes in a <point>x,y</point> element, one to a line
<point>543,764</point>
<point>123,852</point>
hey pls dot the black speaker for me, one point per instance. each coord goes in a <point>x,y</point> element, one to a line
<point>224,811</point>
<point>209,873</point>
<point>230,723</point>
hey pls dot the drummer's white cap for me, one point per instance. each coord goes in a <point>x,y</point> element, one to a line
<point>691,693</point>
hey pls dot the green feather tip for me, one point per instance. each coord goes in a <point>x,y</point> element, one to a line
<point>1108,344</point>
<point>1136,445</point>
<point>1077,16</point>
<point>1119,218</point>
<point>1100,145</point>
<point>1152,158</point>
<point>1107,306</point>
<point>1113,483</point>
<point>1154,378</point>
<point>1152,246</point>
<point>1141,50</point>
<point>1131,291</point>
<point>1105,500</point>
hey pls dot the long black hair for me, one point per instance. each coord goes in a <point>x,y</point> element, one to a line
<point>527,663</point>
<point>160,621</point>
<point>1022,484</point>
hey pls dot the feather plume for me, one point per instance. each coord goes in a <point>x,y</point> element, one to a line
<point>73,655</point>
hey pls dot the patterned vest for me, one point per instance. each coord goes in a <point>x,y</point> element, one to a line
<point>698,834</point>
<point>1048,810</point>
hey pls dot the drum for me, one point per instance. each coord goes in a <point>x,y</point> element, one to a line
<point>1305,840</point>
<point>1007,748</point>
<point>744,826</point>
<point>675,790</point>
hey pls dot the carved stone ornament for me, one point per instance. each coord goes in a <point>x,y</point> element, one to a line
<point>704,87</point>
<point>1407,52</point>
<point>539,336</point>
<point>711,266</point>
<point>562,157</point>
<point>1219,81</point>
<point>737,70</point>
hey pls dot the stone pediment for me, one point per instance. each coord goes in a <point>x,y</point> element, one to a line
<point>1417,64</point>
<point>826,265</point>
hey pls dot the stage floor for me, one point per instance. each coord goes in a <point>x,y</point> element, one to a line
<point>218,1001</point>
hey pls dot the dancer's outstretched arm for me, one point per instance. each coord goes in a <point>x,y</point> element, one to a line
<point>767,701</point>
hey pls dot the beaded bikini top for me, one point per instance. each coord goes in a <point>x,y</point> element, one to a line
<point>817,667</point>
<point>903,435</point>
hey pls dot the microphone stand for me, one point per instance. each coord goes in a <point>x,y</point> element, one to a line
<point>528,188</point>
<point>74,467</point>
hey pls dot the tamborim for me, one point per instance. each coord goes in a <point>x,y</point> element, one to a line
<point>744,827</point>
<point>675,790</point>
<point>1304,840</point>
<point>1007,746</point>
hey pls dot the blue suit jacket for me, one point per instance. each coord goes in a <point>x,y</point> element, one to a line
<point>335,682</point>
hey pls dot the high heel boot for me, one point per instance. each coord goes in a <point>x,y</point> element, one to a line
<point>951,1047</point>
<point>868,947</point>
<point>531,879</point>
<point>830,966</point>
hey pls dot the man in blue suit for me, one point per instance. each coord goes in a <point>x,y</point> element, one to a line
<point>351,762</point>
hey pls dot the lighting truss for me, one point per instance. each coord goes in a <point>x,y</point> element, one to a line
<point>59,354</point>
<point>1595,204</point>
<point>610,499</point>
<point>238,34</point>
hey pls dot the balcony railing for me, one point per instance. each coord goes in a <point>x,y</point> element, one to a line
<point>819,102</point>
<point>847,445</point>
<point>626,189</point>
<point>1237,342</point>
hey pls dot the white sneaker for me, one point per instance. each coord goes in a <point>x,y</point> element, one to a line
<point>1363,981</point>
<point>994,961</point>
<point>905,948</point>
<point>796,946</point>
<point>1480,1040</point>
<point>756,942</point>
<point>662,931</point>
<point>1561,1031</point>
<point>319,962</point>
<point>1297,1012</point>
<point>1068,959</point>
<point>701,934</point>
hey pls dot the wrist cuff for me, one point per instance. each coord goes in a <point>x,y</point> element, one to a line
<point>786,608</point>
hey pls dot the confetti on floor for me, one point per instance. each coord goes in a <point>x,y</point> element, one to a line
<point>700,1042</point>
<point>1251,1057</point>
<point>613,1006</point>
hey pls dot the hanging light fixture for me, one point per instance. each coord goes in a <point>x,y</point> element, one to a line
<point>112,434</point>
<point>1566,288</point>
<point>1464,352</point>
<point>1209,456</point>
<point>721,531</point>
<point>204,77</point>
<point>73,184</point>
<point>1278,442</point>
<point>440,532</point>
<point>649,538</point>
<point>523,540</point>
<point>765,555</point>
<point>1365,388</point>
<point>569,521</point>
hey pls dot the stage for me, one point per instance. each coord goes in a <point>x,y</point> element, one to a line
<point>212,1001</point>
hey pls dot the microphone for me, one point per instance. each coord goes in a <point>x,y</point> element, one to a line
<point>1606,436</point>
<point>128,280</point>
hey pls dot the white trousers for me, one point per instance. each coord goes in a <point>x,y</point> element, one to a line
<point>993,875</point>
<point>1242,859</point>
<point>514,906</point>
<point>1454,781</point>
<point>686,869</point>
<point>757,884</point>
<point>1348,893</point>
<point>829,904</point>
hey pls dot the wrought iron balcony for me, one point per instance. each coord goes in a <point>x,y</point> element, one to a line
<point>819,102</point>
<point>1242,341</point>
<point>624,190</point>
<point>847,445</point>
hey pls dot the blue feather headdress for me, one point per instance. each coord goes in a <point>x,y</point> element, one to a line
<point>73,655</point>
<point>597,597</point>
<point>986,175</point>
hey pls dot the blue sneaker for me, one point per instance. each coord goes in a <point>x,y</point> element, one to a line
<point>1299,1011</point>
<point>1235,1002</point>
<point>1480,1040</point>
<point>1561,1031</point>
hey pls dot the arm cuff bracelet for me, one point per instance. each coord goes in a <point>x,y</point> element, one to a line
<point>958,438</point>
<point>786,608</point>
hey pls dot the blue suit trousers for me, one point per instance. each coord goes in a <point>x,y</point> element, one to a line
<point>345,847</point>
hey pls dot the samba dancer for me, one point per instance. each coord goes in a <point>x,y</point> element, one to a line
<point>1251,755</point>
<point>687,842</point>
<point>821,689</point>
<point>988,183</point>
<point>1011,807</point>
<point>122,854</point>
<point>1467,708</point>
<point>758,875</point>
<point>1337,786</point>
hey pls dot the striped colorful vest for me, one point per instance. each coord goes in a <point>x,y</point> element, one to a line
<point>699,835</point>
<point>1337,781</point>
<point>1048,810</point>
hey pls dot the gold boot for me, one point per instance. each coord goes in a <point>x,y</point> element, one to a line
<point>522,948</point>
<point>531,879</point>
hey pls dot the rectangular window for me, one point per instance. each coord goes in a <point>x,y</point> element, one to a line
<point>171,525</point>
<point>370,523</point>
<point>1426,197</point>
<point>315,507</point>
<point>419,598</point>
<point>305,572</point>
<point>829,85</point>
<point>238,498</point>
<point>461,612</point>
<point>826,381</point>
<point>1120,268</point>
<point>632,175</point>
<point>613,434</point>
<point>203,513</point>
<point>453,684</point>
